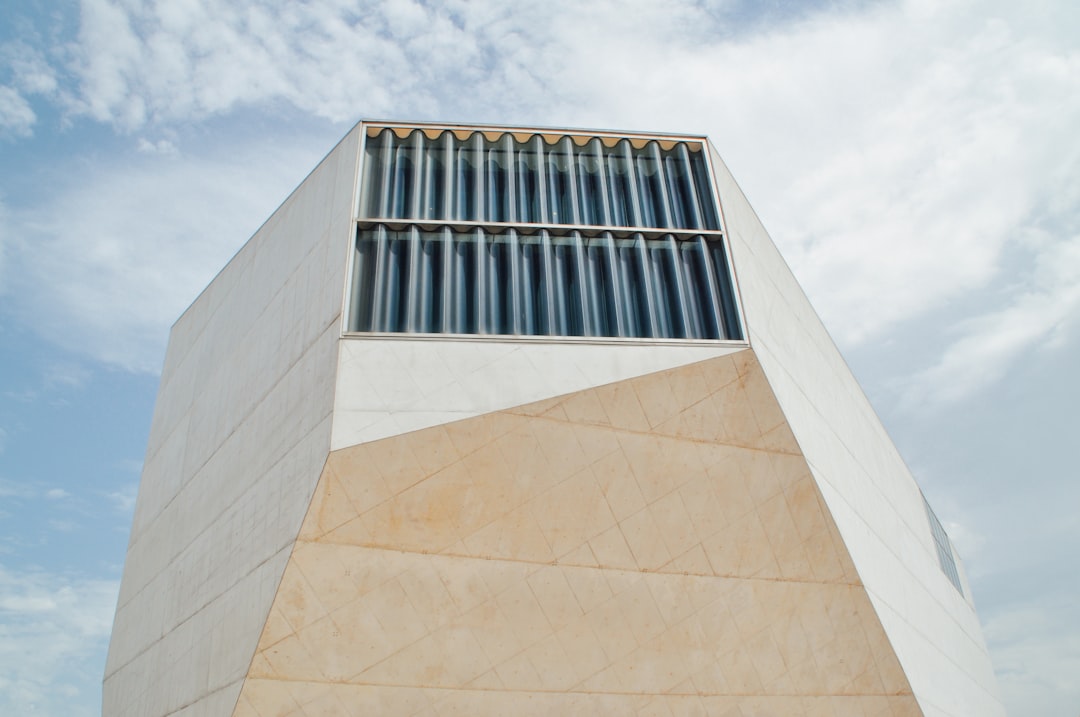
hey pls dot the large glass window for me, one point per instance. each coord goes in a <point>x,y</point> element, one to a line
<point>475,281</point>
<point>944,548</point>
<point>535,179</point>
<point>510,233</point>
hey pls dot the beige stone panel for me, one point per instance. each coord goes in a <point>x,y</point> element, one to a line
<point>364,486</point>
<point>613,632</point>
<point>584,408</point>
<point>276,628</point>
<point>590,587</point>
<point>267,698</point>
<point>324,575</point>
<point>743,549</point>
<point>646,541</point>
<point>285,660</point>
<point>697,422</point>
<point>296,600</point>
<point>542,463</point>
<point>673,520</point>
<point>693,562</point>
<point>546,407</point>
<point>612,551</point>
<point>622,408</point>
<point>552,590</point>
<point>765,473</point>
<point>591,543</point>
<point>690,383</point>
<point>428,594</point>
<point>494,632</point>
<point>656,398</point>
<point>659,464</point>
<point>584,653</point>
<point>724,496</point>
<point>519,670</point>
<point>471,435</point>
<point>516,536</point>
<point>779,440</point>
<point>448,657</point>
<point>393,459</point>
<point>327,510</point>
<point>737,424</point>
<point>617,482</point>
<point>552,665</point>
<point>572,512</point>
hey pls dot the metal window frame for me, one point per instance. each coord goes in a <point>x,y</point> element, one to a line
<point>638,140</point>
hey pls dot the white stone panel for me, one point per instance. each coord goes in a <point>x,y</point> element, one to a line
<point>231,466</point>
<point>873,498</point>
<point>389,386</point>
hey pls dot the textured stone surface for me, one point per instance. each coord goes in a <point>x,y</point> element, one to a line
<point>653,546</point>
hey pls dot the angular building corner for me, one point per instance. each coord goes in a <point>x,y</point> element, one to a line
<point>507,421</point>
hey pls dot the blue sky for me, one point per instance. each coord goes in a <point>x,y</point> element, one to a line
<point>916,162</point>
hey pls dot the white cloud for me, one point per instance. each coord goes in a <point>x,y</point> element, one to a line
<point>16,115</point>
<point>1039,311</point>
<point>57,494</point>
<point>29,69</point>
<point>109,259</point>
<point>64,374</point>
<point>53,632</point>
<point>28,74</point>
<point>161,146</point>
<point>1037,655</point>
<point>895,150</point>
<point>124,498</point>
<point>168,61</point>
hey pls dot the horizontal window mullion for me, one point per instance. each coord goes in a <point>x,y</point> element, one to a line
<point>555,229</point>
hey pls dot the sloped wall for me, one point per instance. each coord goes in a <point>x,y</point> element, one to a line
<point>656,545</point>
<point>870,492</point>
<point>240,434</point>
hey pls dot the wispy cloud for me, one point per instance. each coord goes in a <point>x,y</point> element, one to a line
<point>142,247</point>
<point>16,115</point>
<point>64,374</point>
<point>124,499</point>
<point>1037,654</point>
<point>1037,313</point>
<point>53,632</point>
<point>24,72</point>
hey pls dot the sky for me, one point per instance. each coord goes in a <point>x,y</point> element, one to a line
<point>915,161</point>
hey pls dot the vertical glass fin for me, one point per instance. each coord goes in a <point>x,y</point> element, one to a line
<point>506,180</point>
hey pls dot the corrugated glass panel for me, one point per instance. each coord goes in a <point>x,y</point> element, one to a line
<point>431,175</point>
<point>476,281</point>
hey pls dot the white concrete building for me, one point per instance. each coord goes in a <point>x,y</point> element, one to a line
<point>493,420</point>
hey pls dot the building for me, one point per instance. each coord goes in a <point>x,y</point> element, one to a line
<point>508,421</point>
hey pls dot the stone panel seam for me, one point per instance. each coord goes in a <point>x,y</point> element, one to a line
<point>243,420</point>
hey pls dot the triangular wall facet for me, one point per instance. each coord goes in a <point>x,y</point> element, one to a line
<point>652,544</point>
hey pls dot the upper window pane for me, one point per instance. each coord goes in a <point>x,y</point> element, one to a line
<point>425,175</point>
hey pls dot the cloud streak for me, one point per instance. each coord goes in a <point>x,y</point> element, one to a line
<point>53,633</point>
<point>1038,314</point>
<point>114,254</point>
